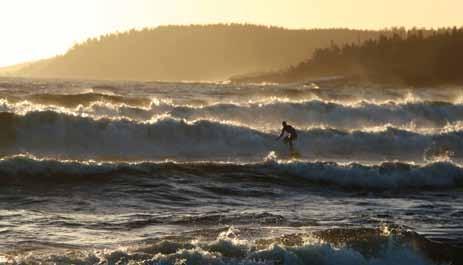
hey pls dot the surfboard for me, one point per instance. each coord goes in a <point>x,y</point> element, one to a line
<point>295,155</point>
<point>290,155</point>
<point>274,156</point>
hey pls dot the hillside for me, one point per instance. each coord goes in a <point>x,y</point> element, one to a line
<point>197,52</point>
<point>415,57</point>
<point>12,69</point>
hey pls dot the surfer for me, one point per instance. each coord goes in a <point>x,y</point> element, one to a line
<point>291,137</point>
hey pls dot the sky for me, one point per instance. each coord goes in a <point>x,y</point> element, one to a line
<point>36,29</point>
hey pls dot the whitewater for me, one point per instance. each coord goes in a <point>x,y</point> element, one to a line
<point>100,172</point>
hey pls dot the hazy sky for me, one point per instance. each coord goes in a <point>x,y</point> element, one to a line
<point>33,29</point>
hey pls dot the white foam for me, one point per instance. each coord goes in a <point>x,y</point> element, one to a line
<point>384,176</point>
<point>54,134</point>
<point>223,252</point>
<point>418,116</point>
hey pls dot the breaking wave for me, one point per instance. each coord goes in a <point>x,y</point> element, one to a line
<point>85,99</point>
<point>64,136</point>
<point>265,115</point>
<point>319,113</point>
<point>384,176</point>
<point>331,247</point>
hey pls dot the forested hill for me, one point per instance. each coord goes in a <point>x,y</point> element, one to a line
<point>197,52</point>
<point>414,57</point>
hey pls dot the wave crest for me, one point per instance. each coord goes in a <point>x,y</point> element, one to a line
<point>384,176</point>
<point>294,249</point>
<point>52,134</point>
<point>264,116</point>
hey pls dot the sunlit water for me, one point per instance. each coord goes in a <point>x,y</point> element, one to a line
<point>185,173</point>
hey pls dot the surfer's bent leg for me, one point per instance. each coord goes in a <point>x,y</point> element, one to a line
<point>286,140</point>
<point>291,142</point>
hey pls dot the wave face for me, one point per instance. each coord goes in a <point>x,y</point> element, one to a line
<point>205,213</point>
<point>228,248</point>
<point>319,113</point>
<point>52,134</point>
<point>259,107</point>
<point>263,116</point>
<point>385,176</point>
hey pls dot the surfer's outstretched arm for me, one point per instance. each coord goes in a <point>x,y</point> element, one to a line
<point>281,135</point>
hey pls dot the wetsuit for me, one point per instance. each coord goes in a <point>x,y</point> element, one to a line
<point>291,131</point>
<point>291,137</point>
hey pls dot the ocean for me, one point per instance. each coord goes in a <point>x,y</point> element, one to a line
<point>105,172</point>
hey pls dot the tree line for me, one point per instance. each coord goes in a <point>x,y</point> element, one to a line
<point>195,52</point>
<point>415,57</point>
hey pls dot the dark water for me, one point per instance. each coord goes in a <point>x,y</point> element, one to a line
<point>161,173</point>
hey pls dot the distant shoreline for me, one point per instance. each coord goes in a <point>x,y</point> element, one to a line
<point>339,80</point>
